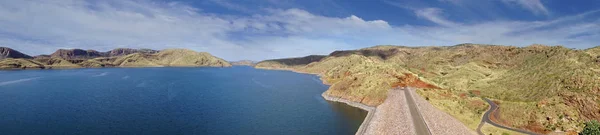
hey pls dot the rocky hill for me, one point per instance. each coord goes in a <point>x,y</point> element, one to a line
<point>122,57</point>
<point>55,62</point>
<point>80,54</point>
<point>76,54</point>
<point>289,63</point>
<point>539,88</point>
<point>127,51</point>
<point>6,52</point>
<point>12,63</point>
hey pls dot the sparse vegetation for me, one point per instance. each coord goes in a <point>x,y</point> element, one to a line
<point>540,88</point>
<point>591,128</point>
<point>11,63</point>
<point>491,130</point>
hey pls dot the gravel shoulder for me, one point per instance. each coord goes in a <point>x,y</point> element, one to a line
<point>439,122</point>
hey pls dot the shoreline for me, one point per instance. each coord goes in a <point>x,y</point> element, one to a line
<point>362,129</point>
<point>370,111</point>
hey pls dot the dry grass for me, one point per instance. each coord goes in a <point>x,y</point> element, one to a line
<point>171,57</point>
<point>10,63</point>
<point>492,130</point>
<point>56,62</point>
<point>467,109</point>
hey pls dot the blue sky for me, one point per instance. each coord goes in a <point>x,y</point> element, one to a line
<point>266,29</point>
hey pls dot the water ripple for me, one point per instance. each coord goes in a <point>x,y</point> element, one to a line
<point>18,81</point>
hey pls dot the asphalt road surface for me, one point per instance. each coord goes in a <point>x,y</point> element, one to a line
<point>486,119</point>
<point>421,127</point>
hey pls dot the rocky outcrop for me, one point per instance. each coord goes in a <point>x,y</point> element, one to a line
<point>6,52</point>
<point>126,51</point>
<point>69,54</point>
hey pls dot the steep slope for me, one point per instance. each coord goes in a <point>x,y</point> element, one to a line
<point>289,62</point>
<point>126,51</point>
<point>540,88</point>
<point>70,54</point>
<point>135,60</point>
<point>99,62</point>
<point>184,57</point>
<point>55,62</point>
<point>6,52</point>
<point>594,52</point>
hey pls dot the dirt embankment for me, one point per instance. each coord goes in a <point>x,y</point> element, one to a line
<point>409,80</point>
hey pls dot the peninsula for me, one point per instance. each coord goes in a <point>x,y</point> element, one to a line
<point>121,57</point>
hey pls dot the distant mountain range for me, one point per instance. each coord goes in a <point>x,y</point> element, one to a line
<point>538,88</point>
<point>120,57</point>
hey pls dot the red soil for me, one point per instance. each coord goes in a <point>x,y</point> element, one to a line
<point>476,92</point>
<point>412,81</point>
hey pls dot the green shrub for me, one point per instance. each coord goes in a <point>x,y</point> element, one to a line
<point>591,128</point>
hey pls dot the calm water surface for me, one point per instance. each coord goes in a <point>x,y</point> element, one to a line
<point>230,101</point>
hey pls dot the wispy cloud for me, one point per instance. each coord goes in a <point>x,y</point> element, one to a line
<point>535,6</point>
<point>570,30</point>
<point>434,15</point>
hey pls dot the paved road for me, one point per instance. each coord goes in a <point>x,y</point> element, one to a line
<point>421,127</point>
<point>486,119</point>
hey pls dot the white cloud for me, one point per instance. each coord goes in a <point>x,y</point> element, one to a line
<point>36,27</point>
<point>535,6</point>
<point>571,31</point>
<point>434,15</point>
<point>104,25</point>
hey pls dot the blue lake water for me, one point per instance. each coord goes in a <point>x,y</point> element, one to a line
<point>228,101</point>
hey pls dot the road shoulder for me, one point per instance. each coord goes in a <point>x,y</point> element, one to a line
<point>439,122</point>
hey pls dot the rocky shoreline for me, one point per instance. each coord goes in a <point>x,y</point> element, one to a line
<point>362,130</point>
<point>371,110</point>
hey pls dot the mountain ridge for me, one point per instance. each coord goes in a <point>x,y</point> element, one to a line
<point>119,57</point>
<point>6,52</point>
